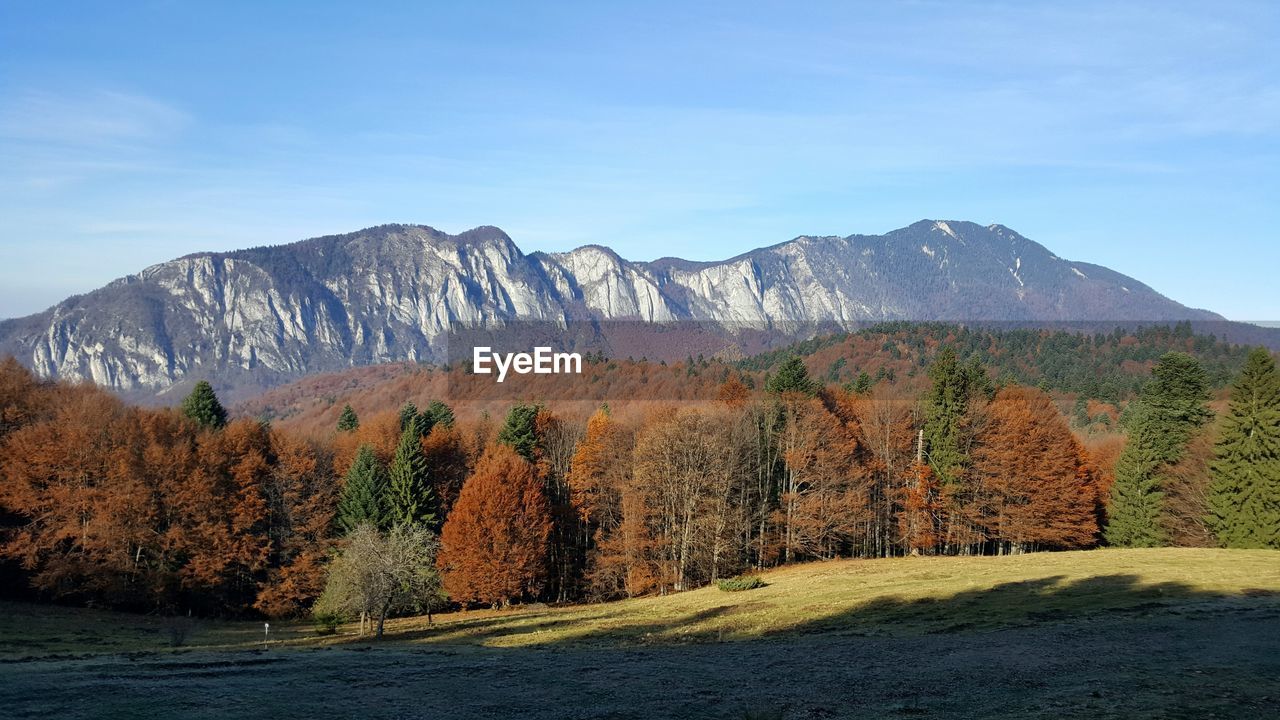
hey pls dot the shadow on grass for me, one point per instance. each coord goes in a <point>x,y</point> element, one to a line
<point>1013,604</point>
<point>1028,602</point>
<point>487,630</point>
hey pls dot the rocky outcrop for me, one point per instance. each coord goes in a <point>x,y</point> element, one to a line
<point>265,315</point>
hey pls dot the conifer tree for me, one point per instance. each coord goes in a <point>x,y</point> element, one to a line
<point>1080,412</point>
<point>1173,403</point>
<point>947,404</point>
<point>1029,492</point>
<point>347,421</point>
<point>1244,497</point>
<point>409,497</point>
<point>792,376</point>
<point>1133,518</point>
<point>363,497</point>
<point>862,385</point>
<point>202,406</point>
<point>1161,422</point>
<point>520,431</point>
<point>408,414</point>
<point>439,414</point>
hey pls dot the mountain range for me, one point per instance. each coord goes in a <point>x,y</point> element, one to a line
<point>266,315</point>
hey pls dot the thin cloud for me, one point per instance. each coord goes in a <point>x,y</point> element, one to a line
<point>97,118</point>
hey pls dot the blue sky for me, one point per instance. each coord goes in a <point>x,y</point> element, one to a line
<point>1141,136</point>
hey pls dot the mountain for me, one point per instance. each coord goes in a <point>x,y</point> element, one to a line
<point>262,316</point>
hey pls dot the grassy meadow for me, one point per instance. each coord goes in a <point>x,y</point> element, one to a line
<point>868,633</point>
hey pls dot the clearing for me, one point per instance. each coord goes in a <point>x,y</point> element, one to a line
<point>1105,633</point>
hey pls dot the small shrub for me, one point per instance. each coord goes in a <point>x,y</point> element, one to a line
<point>326,623</point>
<point>740,583</point>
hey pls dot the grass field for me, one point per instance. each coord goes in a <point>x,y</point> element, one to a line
<point>1170,632</point>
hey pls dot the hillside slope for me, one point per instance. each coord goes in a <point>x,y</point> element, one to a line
<point>1112,633</point>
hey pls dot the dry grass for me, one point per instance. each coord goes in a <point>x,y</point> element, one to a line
<point>1103,634</point>
<point>907,596</point>
<point>898,597</point>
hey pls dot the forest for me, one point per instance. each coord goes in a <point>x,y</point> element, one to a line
<point>408,509</point>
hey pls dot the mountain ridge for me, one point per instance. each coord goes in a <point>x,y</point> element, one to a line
<point>265,315</point>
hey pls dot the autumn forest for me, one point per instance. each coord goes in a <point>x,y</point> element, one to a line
<point>950,447</point>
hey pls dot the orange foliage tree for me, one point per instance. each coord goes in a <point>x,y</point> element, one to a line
<point>494,544</point>
<point>301,496</point>
<point>1029,488</point>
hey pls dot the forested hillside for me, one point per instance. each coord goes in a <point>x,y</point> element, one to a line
<point>763,464</point>
<point>1092,376</point>
<point>256,318</point>
<point>1106,366</point>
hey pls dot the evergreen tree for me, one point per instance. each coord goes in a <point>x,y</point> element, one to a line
<point>347,421</point>
<point>862,385</point>
<point>1136,498</point>
<point>1244,498</point>
<point>792,376</point>
<point>202,406</point>
<point>1174,403</point>
<point>439,414</point>
<point>409,496</point>
<point>408,414</point>
<point>946,412</point>
<point>1080,412</point>
<point>520,431</point>
<point>1161,422</point>
<point>363,497</point>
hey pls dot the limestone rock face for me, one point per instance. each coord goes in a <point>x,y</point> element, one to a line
<point>266,315</point>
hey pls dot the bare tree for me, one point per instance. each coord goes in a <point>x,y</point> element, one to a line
<point>378,574</point>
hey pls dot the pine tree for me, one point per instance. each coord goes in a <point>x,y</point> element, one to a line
<point>408,414</point>
<point>1133,517</point>
<point>792,376</point>
<point>409,497</point>
<point>1173,403</point>
<point>862,385</point>
<point>202,406</point>
<point>1244,497</point>
<point>363,501</point>
<point>1161,422</point>
<point>520,431</point>
<point>1080,412</point>
<point>955,388</point>
<point>347,421</point>
<point>439,414</point>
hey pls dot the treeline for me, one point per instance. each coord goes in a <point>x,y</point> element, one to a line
<point>1107,366</point>
<point>1101,372</point>
<point>116,505</point>
<point>180,509</point>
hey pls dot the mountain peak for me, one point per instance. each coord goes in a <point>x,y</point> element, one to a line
<point>387,293</point>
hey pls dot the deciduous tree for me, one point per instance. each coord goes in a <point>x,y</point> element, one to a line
<point>378,574</point>
<point>494,544</point>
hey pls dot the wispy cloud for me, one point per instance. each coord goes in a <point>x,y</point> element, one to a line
<point>93,119</point>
